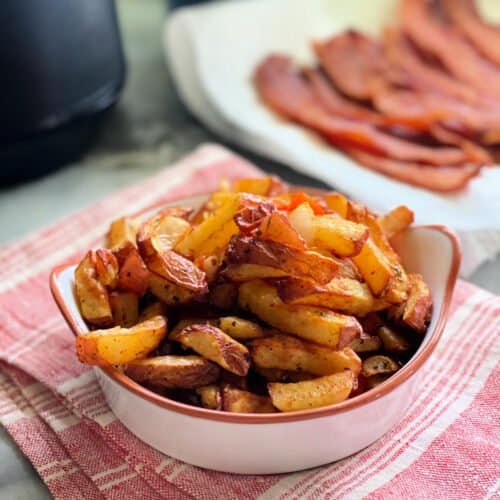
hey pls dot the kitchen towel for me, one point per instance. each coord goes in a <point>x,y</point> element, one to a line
<point>445,447</point>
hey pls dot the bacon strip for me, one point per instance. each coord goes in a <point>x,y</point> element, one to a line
<point>435,179</point>
<point>284,90</point>
<point>465,18</point>
<point>444,44</point>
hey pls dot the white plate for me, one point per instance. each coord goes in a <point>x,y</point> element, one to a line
<point>227,40</point>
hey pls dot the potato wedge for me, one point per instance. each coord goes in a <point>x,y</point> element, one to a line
<point>393,341</point>
<point>119,346</point>
<point>277,227</point>
<point>248,272</point>
<point>224,295</point>
<point>122,230</point>
<point>125,307</point>
<point>366,344</point>
<point>174,372</point>
<point>133,275</point>
<point>260,186</point>
<point>293,354</point>
<point>278,375</point>
<point>294,262</point>
<point>239,328</point>
<point>210,396</point>
<point>183,323</point>
<point>396,221</point>
<point>168,292</point>
<point>337,202</point>
<point>154,309</point>
<point>91,294</point>
<point>341,294</point>
<point>377,365</point>
<point>106,266</point>
<point>312,323</point>
<point>237,401</point>
<point>416,312</point>
<point>212,343</point>
<point>344,238</point>
<point>301,218</point>
<point>315,393</point>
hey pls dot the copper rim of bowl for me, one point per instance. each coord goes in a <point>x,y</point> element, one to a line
<point>381,390</point>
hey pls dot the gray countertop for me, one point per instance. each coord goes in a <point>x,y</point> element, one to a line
<point>148,129</point>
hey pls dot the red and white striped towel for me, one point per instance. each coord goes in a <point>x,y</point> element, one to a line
<point>446,446</point>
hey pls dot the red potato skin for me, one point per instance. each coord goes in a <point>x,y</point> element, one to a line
<point>133,275</point>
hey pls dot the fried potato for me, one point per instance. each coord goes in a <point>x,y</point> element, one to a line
<point>224,295</point>
<point>293,354</point>
<point>376,365</point>
<point>183,323</point>
<point>210,396</point>
<point>366,344</point>
<point>125,307</point>
<point>119,346</point>
<point>106,266</point>
<point>312,323</point>
<point>277,227</point>
<point>337,202</point>
<point>91,294</point>
<point>237,401</point>
<point>301,218</point>
<point>154,309</point>
<point>375,380</point>
<point>214,232</point>
<point>248,272</point>
<point>260,186</point>
<point>393,341</point>
<point>396,221</point>
<point>239,328</point>
<point>174,372</point>
<point>340,294</point>
<point>122,230</point>
<point>278,375</point>
<point>322,391</point>
<point>212,343</point>
<point>417,310</point>
<point>344,238</point>
<point>133,275</point>
<point>168,292</point>
<point>294,262</point>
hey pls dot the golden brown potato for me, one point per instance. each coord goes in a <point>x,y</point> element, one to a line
<point>393,341</point>
<point>312,323</point>
<point>277,227</point>
<point>91,294</point>
<point>125,307</point>
<point>210,396</point>
<point>301,218</point>
<point>292,261</point>
<point>340,294</point>
<point>239,328</point>
<point>119,346</point>
<point>237,401</point>
<point>366,344</point>
<point>154,309</point>
<point>106,266</point>
<point>133,275</point>
<point>122,230</point>
<point>278,375</point>
<point>168,292</point>
<point>248,272</point>
<point>344,238</point>
<point>212,343</point>
<point>337,202</point>
<point>416,312</point>
<point>396,221</point>
<point>375,365</point>
<point>260,186</point>
<point>322,391</point>
<point>293,354</point>
<point>224,295</point>
<point>174,372</point>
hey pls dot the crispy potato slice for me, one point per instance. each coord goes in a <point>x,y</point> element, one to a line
<point>344,238</point>
<point>293,354</point>
<point>301,218</point>
<point>376,365</point>
<point>239,328</point>
<point>174,372</point>
<point>154,309</point>
<point>396,221</point>
<point>322,391</point>
<point>119,346</point>
<point>133,275</point>
<point>277,227</point>
<point>416,312</point>
<point>91,294</point>
<point>212,343</point>
<point>312,323</point>
<point>277,375</point>
<point>214,232</point>
<point>210,396</point>
<point>177,269</point>
<point>260,186</point>
<point>106,266</point>
<point>237,401</point>
<point>122,230</point>
<point>168,292</point>
<point>224,295</point>
<point>393,341</point>
<point>341,294</point>
<point>248,272</point>
<point>337,202</point>
<point>125,307</point>
<point>183,323</point>
<point>366,344</point>
<point>294,262</point>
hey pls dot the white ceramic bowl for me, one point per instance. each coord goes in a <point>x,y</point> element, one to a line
<point>281,442</point>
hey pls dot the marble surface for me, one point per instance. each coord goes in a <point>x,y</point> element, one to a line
<point>148,129</point>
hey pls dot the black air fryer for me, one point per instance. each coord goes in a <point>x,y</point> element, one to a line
<point>61,67</point>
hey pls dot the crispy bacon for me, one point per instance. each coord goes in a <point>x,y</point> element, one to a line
<point>284,90</point>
